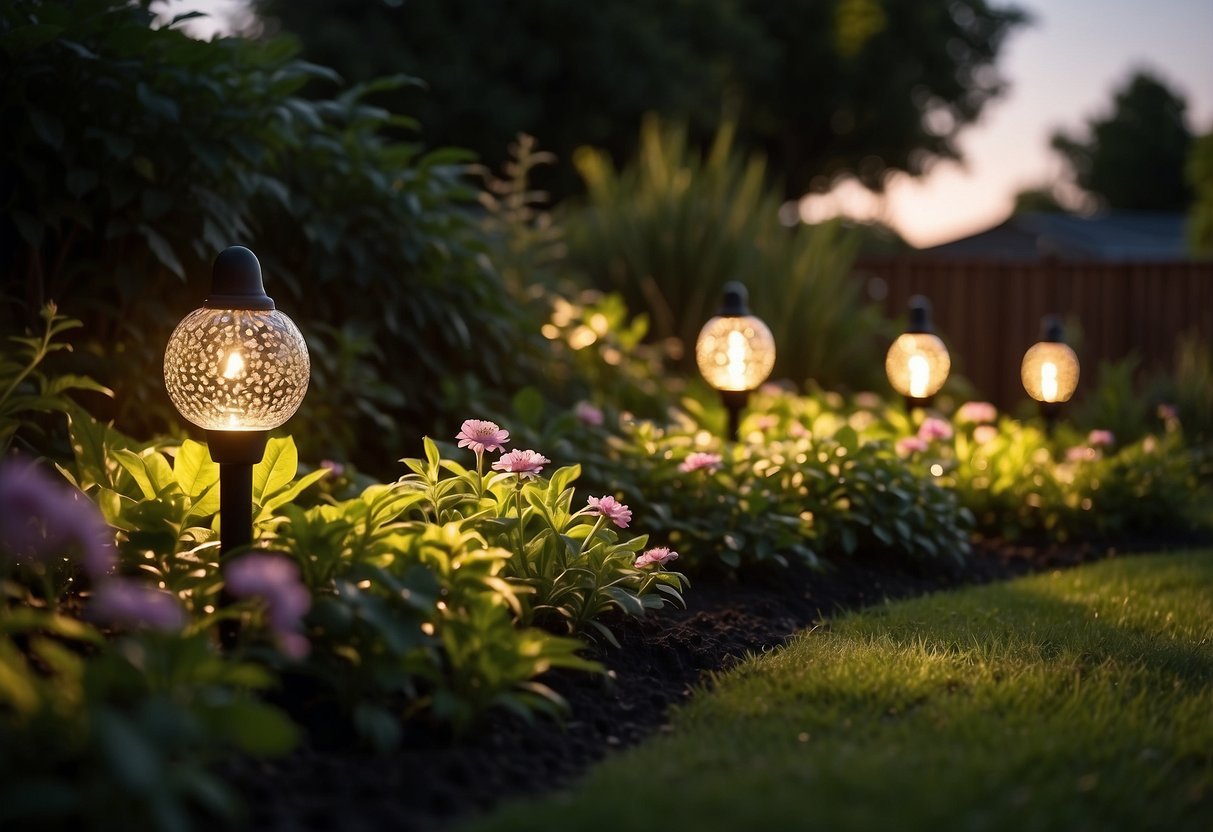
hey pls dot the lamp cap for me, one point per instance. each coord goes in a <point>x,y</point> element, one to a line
<point>735,300</point>
<point>920,315</point>
<point>236,282</point>
<point>1051,329</point>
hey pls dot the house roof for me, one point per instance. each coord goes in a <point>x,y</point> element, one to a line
<point>1111,237</point>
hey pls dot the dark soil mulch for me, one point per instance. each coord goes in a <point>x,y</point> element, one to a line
<point>433,780</point>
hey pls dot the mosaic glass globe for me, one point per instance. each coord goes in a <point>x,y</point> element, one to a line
<point>917,364</point>
<point>236,369</point>
<point>1049,372</point>
<point>735,352</point>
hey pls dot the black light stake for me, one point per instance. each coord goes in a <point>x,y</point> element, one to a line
<point>237,367</point>
<point>735,352</point>
<point>1050,370</point>
<point>917,363</point>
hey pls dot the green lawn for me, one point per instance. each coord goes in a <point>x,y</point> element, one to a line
<point>1078,700</point>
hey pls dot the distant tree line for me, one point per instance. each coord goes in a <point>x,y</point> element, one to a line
<point>823,88</point>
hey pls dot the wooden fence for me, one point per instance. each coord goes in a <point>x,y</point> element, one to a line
<point>989,312</point>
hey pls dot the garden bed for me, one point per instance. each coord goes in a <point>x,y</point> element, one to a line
<point>434,779</point>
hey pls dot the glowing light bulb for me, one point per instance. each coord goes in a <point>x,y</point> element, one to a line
<point>234,365</point>
<point>736,352</point>
<point>920,376</point>
<point>1048,381</point>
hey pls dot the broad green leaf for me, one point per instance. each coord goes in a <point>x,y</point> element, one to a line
<point>206,504</point>
<point>194,469</point>
<point>276,469</point>
<point>159,472</point>
<point>257,728</point>
<point>290,493</point>
<point>134,465</point>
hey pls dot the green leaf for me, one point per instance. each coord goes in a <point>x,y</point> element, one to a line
<point>206,503</point>
<point>163,250</point>
<point>528,406</point>
<point>25,38</point>
<point>194,469</point>
<point>258,729</point>
<point>294,490</point>
<point>276,469</point>
<point>134,465</point>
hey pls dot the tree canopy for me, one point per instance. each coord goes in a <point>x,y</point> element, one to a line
<point>1132,158</point>
<point>823,88</point>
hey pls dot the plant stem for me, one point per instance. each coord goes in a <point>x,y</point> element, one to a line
<point>597,525</point>
<point>521,541</point>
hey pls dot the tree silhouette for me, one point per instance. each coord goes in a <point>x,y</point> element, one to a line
<point>823,87</point>
<point>1133,158</point>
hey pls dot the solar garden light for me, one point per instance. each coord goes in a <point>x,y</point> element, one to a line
<point>237,368</point>
<point>735,352</point>
<point>917,363</point>
<point>1050,369</point>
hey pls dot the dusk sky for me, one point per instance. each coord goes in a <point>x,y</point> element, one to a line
<point>1061,70</point>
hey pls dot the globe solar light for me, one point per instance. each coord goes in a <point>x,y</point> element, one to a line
<point>917,363</point>
<point>237,367</point>
<point>1050,369</point>
<point>735,352</point>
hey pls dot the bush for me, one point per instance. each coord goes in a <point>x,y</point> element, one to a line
<point>672,228</point>
<point>133,155</point>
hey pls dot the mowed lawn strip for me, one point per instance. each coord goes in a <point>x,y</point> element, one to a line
<point>1077,700</point>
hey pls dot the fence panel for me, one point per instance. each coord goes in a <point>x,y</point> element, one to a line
<point>989,312</point>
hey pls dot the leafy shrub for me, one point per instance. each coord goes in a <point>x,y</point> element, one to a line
<point>133,155</point>
<point>670,229</point>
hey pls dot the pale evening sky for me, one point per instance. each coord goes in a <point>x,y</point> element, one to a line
<point>1061,70</point>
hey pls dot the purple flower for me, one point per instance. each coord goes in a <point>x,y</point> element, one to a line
<point>976,413</point>
<point>697,461</point>
<point>588,414</point>
<point>659,555</point>
<point>43,518</point>
<point>910,445</point>
<point>130,603</point>
<point>526,464</point>
<point>612,509</point>
<point>482,436</point>
<point>334,468</point>
<point>274,579</point>
<point>932,429</point>
<point>1098,438</point>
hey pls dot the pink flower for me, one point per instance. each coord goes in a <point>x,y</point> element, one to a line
<point>1099,438</point>
<point>698,460</point>
<point>523,463</point>
<point>1081,454</point>
<point>868,401</point>
<point>911,445</point>
<point>932,429</point>
<point>612,509</point>
<point>42,517</point>
<point>275,580</point>
<point>660,555</point>
<point>1167,412</point>
<point>482,436</point>
<point>133,604</point>
<point>588,414</point>
<point>984,434</point>
<point>765,422</point>
<point>976,413</point>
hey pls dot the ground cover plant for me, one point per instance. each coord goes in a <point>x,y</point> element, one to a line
<point>1068,700</point>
